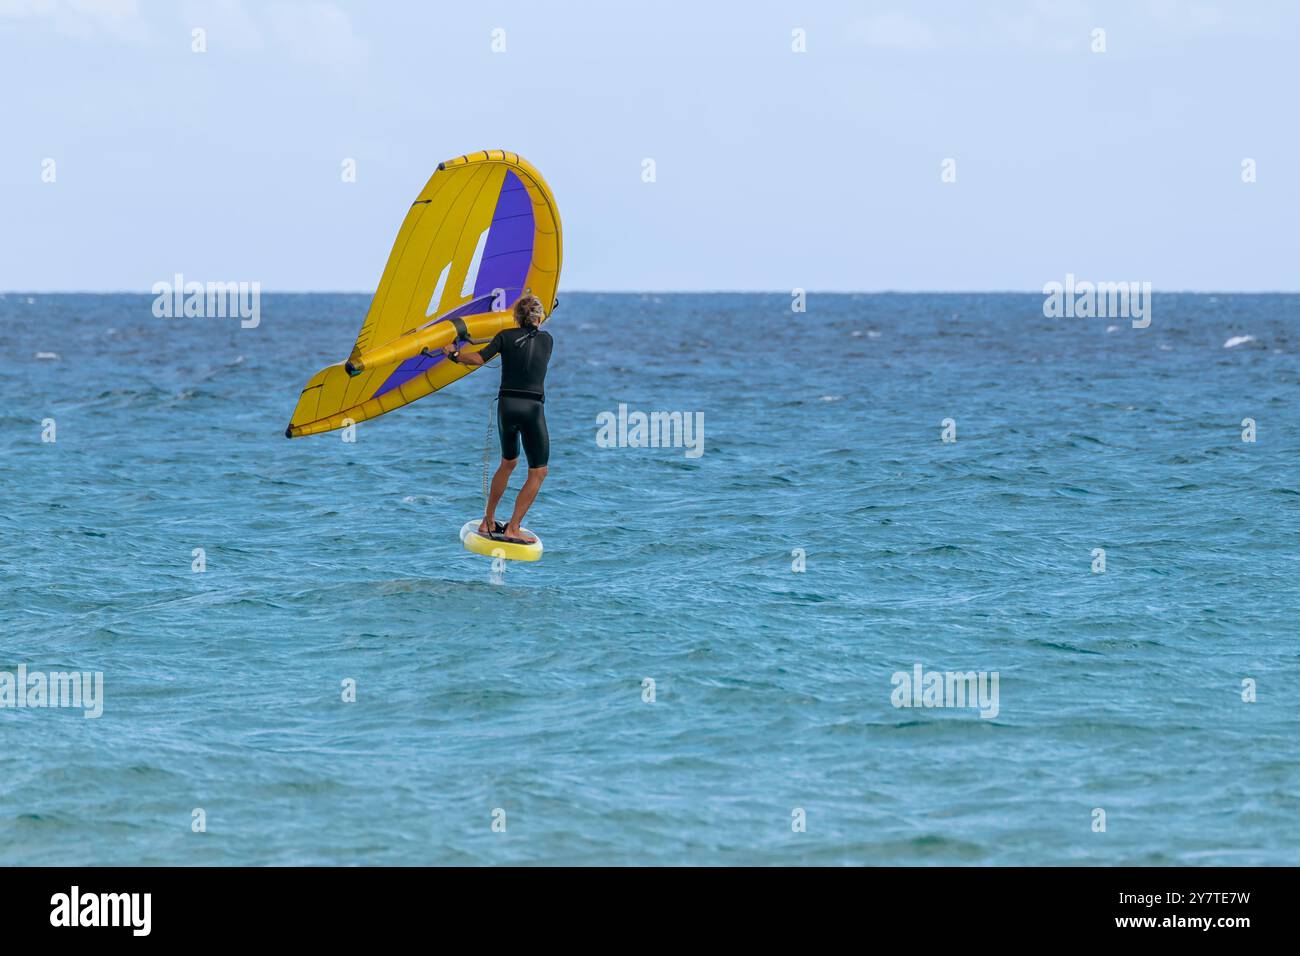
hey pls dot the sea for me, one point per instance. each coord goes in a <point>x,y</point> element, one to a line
<point>937,579</point>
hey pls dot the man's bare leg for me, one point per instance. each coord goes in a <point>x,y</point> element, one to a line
<point>527,494</point>
<point>499,482</point>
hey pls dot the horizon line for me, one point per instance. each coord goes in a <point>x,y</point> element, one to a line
<point>783,292</point>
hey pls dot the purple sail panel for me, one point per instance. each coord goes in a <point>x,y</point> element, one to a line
<point>509,250</point>
<point>407,371</point>
<point>473,307</point>
<point>506,258</point>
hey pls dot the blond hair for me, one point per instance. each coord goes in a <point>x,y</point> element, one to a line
<point>528,312</point>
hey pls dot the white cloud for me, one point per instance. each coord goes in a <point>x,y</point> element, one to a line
<point>1206,18</point>
<point>21,9</point>
<point>227,23</point>
<point>309,32</point>
<point>84,19</point>
<point>894,30</point>
<point>317,33</point>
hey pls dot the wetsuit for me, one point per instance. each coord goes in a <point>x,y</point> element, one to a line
<point>521,402</point>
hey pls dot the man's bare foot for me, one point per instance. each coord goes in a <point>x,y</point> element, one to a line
<point>514,531</point>
<point>486,527</point>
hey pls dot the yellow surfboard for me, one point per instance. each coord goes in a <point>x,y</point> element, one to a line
<point>491,548</point>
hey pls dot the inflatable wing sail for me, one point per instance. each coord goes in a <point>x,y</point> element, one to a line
<point>483,231</point>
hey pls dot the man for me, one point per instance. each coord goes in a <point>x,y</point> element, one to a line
<point>525,352</point>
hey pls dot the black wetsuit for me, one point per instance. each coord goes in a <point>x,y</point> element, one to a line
<point>521,403</point>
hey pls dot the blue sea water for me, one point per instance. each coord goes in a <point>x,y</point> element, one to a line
<point>521,697</point>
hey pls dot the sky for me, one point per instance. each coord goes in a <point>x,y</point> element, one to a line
<point>944,145</point>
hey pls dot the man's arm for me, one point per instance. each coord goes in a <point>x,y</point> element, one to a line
<point>472,359</point>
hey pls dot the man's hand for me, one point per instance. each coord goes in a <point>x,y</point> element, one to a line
<point>468,359</point>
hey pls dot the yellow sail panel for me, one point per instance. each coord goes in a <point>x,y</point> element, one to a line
<point>484,230</point>
<point>329,386</point>
<point>439,231</point>
<point>333,398</point>
<point>544,270</point>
